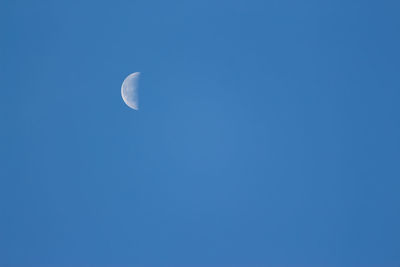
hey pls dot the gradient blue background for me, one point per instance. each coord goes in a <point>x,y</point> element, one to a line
<point>269,133</point>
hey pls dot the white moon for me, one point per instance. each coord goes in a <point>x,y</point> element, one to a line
<point>129,90</point>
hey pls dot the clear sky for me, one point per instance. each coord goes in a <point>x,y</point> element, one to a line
<point>268,133</point>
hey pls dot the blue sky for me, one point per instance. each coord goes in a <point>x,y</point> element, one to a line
<point>268,133</point>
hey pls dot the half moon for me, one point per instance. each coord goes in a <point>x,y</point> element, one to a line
<point>129,90</point>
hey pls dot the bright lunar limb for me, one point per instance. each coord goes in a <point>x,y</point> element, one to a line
<point>129,90</point>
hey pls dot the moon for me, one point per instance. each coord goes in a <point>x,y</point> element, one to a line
<point>129,91</point>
